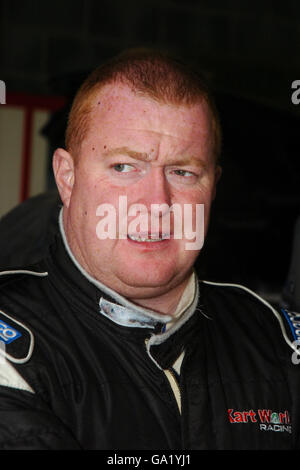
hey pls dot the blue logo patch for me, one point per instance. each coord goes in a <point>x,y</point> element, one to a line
<point>7,333</point>
<point>293,319</point>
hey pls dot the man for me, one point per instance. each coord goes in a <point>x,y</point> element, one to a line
<point>111,342</point>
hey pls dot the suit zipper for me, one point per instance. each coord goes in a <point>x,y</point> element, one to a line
<point>173,381</point>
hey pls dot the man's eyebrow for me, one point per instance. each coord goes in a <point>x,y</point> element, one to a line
<point>187,160</point>
<point>180,161</point>
<point>126,151</point>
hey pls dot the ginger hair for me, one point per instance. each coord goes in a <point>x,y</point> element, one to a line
<point>149,73</point>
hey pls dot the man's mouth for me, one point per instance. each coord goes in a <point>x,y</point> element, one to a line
<point>149,238</point>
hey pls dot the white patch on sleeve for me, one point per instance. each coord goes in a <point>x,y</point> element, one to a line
<point>10,377</point>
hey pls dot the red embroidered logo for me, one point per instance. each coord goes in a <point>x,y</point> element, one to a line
<point>268,420</point>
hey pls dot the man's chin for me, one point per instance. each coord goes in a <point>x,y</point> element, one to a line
<point>139,284</point>
<point>147,282</point>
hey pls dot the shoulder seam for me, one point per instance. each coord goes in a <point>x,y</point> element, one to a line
<point>24,271</point>
<point>266,303</point>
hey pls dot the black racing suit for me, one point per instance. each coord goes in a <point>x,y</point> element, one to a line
<point>88,382</point>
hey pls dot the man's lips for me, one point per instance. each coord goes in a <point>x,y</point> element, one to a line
<point>149,238</point>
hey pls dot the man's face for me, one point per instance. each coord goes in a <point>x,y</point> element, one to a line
<point>150,153</point>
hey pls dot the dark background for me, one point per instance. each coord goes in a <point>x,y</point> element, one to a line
<point>249,52</point>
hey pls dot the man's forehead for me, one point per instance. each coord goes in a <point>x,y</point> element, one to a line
<point>120,113</point>
<point>115,96</point>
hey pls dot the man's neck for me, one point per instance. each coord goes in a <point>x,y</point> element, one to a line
<point>170,303</point>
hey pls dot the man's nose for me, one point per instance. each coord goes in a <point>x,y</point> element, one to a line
<point>155,189</point>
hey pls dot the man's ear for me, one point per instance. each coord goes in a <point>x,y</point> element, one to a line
<point>63,168</point>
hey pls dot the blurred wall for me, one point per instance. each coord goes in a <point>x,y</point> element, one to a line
<point>249,48</point>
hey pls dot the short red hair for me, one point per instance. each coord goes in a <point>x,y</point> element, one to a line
<point>148,73</point>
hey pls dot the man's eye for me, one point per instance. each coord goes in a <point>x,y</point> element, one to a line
<point>183,173</point>
<point>123,168</point>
